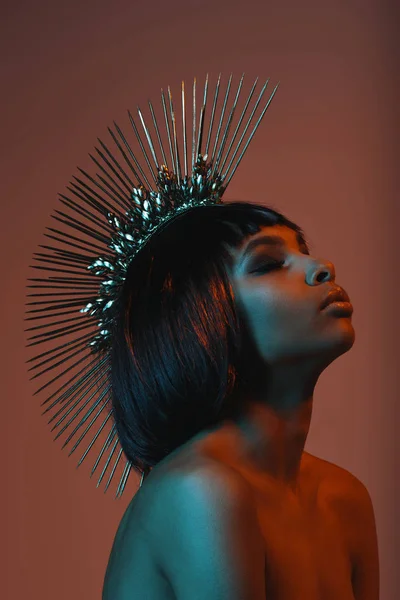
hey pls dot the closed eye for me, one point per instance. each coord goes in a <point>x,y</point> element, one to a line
<point>270,266</point>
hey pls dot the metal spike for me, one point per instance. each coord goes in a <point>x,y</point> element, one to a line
<point>126,468</point>
<point>70,222</point>
<point>81,281</point>
<point>64,304</point>
<point>58,377</point>
<point>221,117</point>
<point>74,383</point>
<point>86,292</point>
<point>213,114</point>
<point>149,141</point>
<point>227,127</point>
<point>90,216</point>
<point>64,258</point>
<point>67,331</point>
<point>106,444</point>
<point>116,197</point>
<point>201,121</point>
<point>94,252</point>
<point>85,283</point>
<point>143,149</point>
<point>72,325</point>
<point>124,479</point>
<point>48,352</point>
<point>72,237</point>
<point>85,259</point>
<point>56,314</point>
<point>194,124</point>
<point>53,366</point>
<point>147,182</point>
<point>67,351</point>
<point>85,416</point>
<point>84,455</point>
<point>79,318</point>
<point>107,462</point>
<point>62,252</point>
<point>184,129</point>
<point>89,287</point>
<point>168,130</point>
<point>54,337</point>
<point>113,470</point>
<point>60,313</point>
<point>84,300</point>
<point>251,135</point>
<point>95,198</point>
<point>65,292</point>
<point>238,125</point>
<point>117,176</point>
<point>88,427</point>
<point>177,160</point>
<point>61,261</point>
<point>130,183</point>
<point>54,270</point>
<point>85,212</point>
<point>80,192</point>
<point>141,181</point>
<point>69,395</point>
<point>115,192</point>
<point>153,116</point>
<point>79,393</point>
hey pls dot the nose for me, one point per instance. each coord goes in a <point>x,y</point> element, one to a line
<point>320,272</point>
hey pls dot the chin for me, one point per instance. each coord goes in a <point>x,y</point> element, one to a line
<point>341,340</point>
<point>346,333</point>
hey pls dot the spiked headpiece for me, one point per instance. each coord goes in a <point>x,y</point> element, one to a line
<point>112,215</point>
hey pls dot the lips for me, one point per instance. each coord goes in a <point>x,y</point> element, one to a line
<point>335,295</point>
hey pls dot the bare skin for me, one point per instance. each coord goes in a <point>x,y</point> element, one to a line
<point>316,518</point>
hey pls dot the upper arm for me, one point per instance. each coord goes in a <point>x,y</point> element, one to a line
<point>212,547</point>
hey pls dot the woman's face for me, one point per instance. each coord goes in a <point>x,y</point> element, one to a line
<point>279,288</point>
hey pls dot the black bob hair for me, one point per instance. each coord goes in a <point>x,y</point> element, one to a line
<point>176,340</point>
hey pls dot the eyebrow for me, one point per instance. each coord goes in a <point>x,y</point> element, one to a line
<point>273,240</point>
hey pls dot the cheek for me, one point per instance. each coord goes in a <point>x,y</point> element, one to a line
<point>275,312</point>
<point>275,316</point>
<point>285,321</point>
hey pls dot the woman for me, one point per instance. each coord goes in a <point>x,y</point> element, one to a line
<point>207,325</point>
<point>216,354</point>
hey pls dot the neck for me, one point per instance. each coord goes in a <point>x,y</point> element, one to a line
<point>274,420</point>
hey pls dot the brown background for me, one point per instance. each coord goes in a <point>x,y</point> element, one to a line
<point>324,155</point>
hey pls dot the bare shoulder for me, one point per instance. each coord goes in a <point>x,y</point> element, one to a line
<point>185,480</point>
<point>348,497</point>
<point>204,516</point>
<point>337,479</point>
<point>352,503</point>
